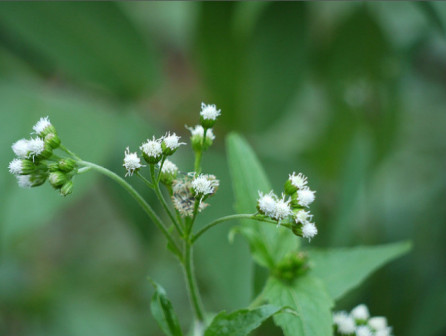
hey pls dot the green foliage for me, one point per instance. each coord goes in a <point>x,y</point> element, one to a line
<point>240,322</point>
<point>345,268</point>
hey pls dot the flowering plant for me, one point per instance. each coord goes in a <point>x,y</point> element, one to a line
<point>301,285</point>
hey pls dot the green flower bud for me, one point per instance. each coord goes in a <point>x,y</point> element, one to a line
<point>66,165</point>
<point>46,153</point>
<point>169,172</point>
<point>53,167</point>
<point>292,266</point>
<point>52,140</point>
<point>57,179</point>
<point>67,188</point>
<point>196,138</point>
<point>290,189</point>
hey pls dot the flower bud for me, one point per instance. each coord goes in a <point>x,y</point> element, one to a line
<point>208,115</point>
<point>170,143</point>
<point>67,188</point>
<point>152,151</point>
<point>52,140</point>
<point>44,127</point>
<point>66,165</point>
<point>196,138</point>
<point>46,153</point>
<point>290,189</point>
<point>57,179</point>
<point>21,167</point>
<point>53,166</point>
<point>169,172</point>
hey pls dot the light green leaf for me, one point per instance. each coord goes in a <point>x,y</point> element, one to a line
<point>268,243</point>
<point>343,269</point>
<point>308,297</point>
<point>240,322</point>
<point>163,312</point>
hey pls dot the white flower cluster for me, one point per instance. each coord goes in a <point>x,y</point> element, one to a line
<point>209,111</point>
<point>204,185</point>
<point>359,323</point>
<point>131,162</point>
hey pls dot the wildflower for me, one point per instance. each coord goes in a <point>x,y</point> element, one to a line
<point>131,162</point>
<point>20,148</point>
<point>197,134</point>
<point>295,182</point>
<point>344,322</point>
<point>305,196</point>
<point>57,179</point>
<point>282,209</point>
<point>16,167</point>
<point>169,172</point>
<point>152,151</point>
<point>33,180</point>
<point>266,204</point>
<point>24,181</point>
<point>360,312</point>
<point>309,230</point>
<point>377,323</point>
<point>67,188</point>
<point>302,216</point>
<point>170,143</point>
<point>52,140</point>
<point>182,198</point>
<point>204,185</point>
<point>363,331</point>
<point>208,115</point>
<point>384,332</point>
<point>66,165</point>
<point>44,127</point>
<point>36,147</point>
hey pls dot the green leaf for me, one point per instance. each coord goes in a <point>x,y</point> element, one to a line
<point>343,269</point>
<point>163,312</point>
<point>268,244</point>
<point>309,298</point>
<point>240,322</point>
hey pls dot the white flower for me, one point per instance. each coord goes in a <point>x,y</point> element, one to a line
<point>152,148</point>
<point>24,181</point>
<point>378,323</point>
<point>41,125</point>
<point>35,147</point>
<point>309,230</point>
<point>267,203</point>
<point>302,216</point>
<point>209,111</point>
<point>360,312</point>
<point>384,332</point>
<point>199,131</point>
<point>16,167</point>
<point>172,141</point>
<point>363,331</point>
<point>282,209</point>
<point>305,196</point>
<point>20,148</point>
<point>131,162</point>
<point>202,185</point>
<point>299,180</point>
<point>344,322</point>
<point>169,167</point>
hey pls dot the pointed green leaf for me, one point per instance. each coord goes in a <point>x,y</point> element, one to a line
<point>343,269</point>
<point>163,312</point>
<point>308,297</point>
<point>240,322</point>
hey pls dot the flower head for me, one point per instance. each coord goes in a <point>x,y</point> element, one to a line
<point>204,185</point>
<point>43,127</point>
<point>309,230</point>
<point>152,150</point>
<point>209,112</point>
<point>24,181</point>
<point>131,162</point>
<point>198,131</point>
<point>16,167</point>
<point>170,143</point>
<point>182,198</point>
<point>169,167</point>
<point>20,148</point>
<point>384,332</point>
<point>344,322</point>
<point>377,323</point>
<point>36,146</point>
<point>282,209</point>
<point>305,196</point>
<point>299,180</point>
<point>363,331</point>
<point>302,216</point>
<point>266,204</point>
<point>360,312</point>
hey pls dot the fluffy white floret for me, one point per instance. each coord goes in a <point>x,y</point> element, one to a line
<point>267,203</point>
<point>309,230</point>
<point>302,216</point>
<point>344,322</point>
<point>203,186</point>
<point>209,111</point>
<point>199,131</point>
<point>172,141</point>
<point>152,148</point>
<point>384,332</point>
<point>35,147</point>
<point>299,180</point>
<point>169,167</point>
<point>16,167</point>
<point>24,181</point>
<point>377,323</point>
<point>282,209</point>
<point>131,162</point>
<point>40,126</point>
<point>305,196</point>
<point>20,148</point>
<point>363,331</point>
<point>360,312</point>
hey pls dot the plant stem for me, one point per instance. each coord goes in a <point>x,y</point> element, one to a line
<point>192,283</point>
<point>144,205</point>
<point>197,165</point>
<point>66,150</point>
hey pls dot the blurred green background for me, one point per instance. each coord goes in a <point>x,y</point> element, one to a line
<point>351,94</point>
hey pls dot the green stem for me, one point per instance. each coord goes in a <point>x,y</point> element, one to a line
<point>144,205</point>
<point>192,283</point>
<point>197,165</point>
<point>146,181</point>
<point>66,150</point>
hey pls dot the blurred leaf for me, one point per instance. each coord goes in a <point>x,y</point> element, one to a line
<point>432,14</point>
<point>240,322</point>
<point>309,298</point>
<point>345,268</point>
<point>91,42</point>
<point>268,243</point>
<point>163,312</point>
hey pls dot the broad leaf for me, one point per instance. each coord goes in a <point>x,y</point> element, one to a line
<point>240,322</point>
<point>268,243</point>
<point>343,269</point>
<point>309,298</point>
<point>163,312</point>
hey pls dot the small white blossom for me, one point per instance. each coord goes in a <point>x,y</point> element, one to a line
<point>35,147</point>
<point>169,167</point>
<point>24,181</point>
<point>360,312</point>
<point>309,230</point>
<point>302,216</point>
<point>16,167</point>
<point>344,322</point>
<point>378,323</point>
<point>199,131</point>
<point>172,141</point>
<point>131,162</point>
<point>282,209</point>
<point>152,148</point>
<point>202,185</point>
<point>209,111</point>
<point>41,125</point>
<point>267,203</point>
<point>305,196</point>
<point>363,331</point>
<point>299,180</point>
<point>384,332</point>
<point>20,148</point>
